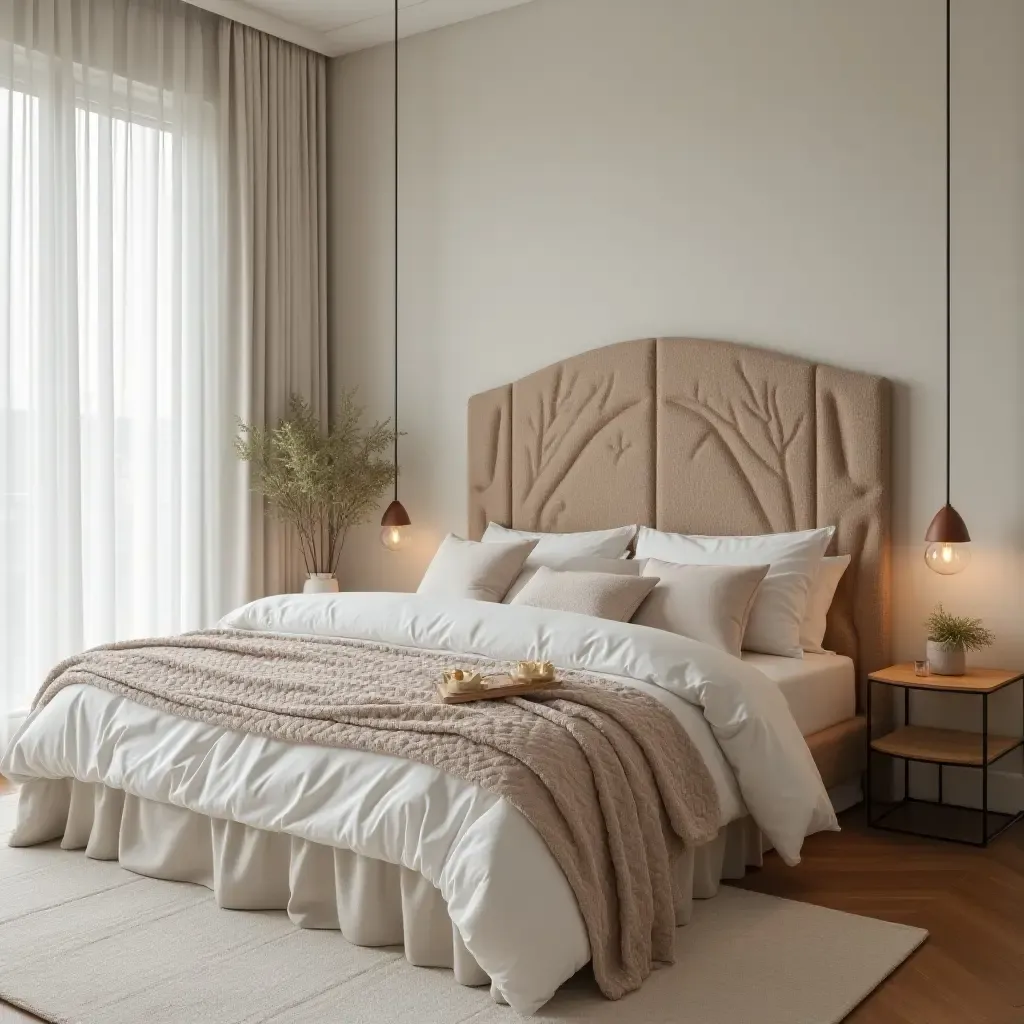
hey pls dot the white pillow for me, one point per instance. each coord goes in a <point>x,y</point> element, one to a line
<point>587,593</point>
<point>593,543</point>
<point>467,568</point>
<point>709,603</point>
<point>823,590</point>
<point>583,563</point>
<point>781,600</point>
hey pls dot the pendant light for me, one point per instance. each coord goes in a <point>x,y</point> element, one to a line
<point>395,523</point>
<point>948,550</point>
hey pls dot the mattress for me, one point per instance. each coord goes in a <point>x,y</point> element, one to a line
<point>820,689</point>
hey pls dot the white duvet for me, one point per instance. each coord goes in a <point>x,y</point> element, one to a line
<point>513,908</point>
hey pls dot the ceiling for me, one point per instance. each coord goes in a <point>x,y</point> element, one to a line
<point>334,27</point>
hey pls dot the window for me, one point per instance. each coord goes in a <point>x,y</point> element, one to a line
<point>108,367</point>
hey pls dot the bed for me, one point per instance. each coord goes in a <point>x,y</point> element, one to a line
<point>673,433</point>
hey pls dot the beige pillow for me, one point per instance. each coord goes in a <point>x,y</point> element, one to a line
<point>589,593</point>
<point>781,600</point>
<point>614,566</point>
<point>823,591</point>
<point>710,603</point>
<point>467,568</point>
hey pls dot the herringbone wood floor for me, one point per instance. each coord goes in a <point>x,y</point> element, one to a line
<point>971,969</point>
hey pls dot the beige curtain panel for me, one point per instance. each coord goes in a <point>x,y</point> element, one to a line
<point>273,129</point>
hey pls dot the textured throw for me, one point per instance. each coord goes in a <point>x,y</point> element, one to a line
<point>605,774</point>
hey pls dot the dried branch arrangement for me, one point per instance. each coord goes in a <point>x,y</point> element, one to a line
<point>320,482</point>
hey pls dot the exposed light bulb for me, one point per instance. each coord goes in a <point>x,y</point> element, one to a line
<point>947,559</point>
<point>394,537</point>
<point>394,526</point>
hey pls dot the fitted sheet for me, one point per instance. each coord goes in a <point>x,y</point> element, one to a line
<point>820,689</point>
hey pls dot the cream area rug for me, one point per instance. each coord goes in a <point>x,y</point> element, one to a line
<point>86,942</point>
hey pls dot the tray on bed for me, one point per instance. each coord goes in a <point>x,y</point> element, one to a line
<point>494,688</point>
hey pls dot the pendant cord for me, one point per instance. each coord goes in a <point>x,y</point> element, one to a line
<point>395,420</point>
<point>949,368</point>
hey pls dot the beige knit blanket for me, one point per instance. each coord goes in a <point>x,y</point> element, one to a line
<point>605,774</point>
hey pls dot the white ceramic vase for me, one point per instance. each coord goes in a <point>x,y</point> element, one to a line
<point>946,661</point>
<point>320,583</point>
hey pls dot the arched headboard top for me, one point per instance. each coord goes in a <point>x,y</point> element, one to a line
<point>698,437</point>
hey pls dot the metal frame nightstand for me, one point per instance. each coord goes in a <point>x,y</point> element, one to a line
<point>941,747</point>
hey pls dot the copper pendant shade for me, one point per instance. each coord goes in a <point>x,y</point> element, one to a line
<point>947,552</point>
<point>948,527</point>
<point>395,515</point>
<point>395,522</point>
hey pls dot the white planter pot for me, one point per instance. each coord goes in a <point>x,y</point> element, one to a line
<point>946,661</point>
<point>320,583</point>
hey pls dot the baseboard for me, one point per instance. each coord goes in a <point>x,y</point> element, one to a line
<point>846,795</point>
<point>964,786</point>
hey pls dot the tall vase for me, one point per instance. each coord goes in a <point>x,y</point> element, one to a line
<point>320,583</point>
<point>946,661</point>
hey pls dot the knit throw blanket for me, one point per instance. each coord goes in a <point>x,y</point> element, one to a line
<point>605,774</point>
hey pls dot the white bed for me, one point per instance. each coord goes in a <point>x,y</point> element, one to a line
<point>468,882</point>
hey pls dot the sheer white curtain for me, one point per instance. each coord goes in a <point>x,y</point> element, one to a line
<point>122,508</point>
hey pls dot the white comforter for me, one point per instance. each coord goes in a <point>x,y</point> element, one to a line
<point>505,893</point>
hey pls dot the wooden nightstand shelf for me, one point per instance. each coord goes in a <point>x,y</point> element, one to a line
<point>941,747</point>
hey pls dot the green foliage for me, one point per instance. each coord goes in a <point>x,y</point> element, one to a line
<point>320,483</point>
<point>954,631</point>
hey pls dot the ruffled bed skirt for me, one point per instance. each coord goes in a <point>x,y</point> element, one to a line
<point>372,902</point>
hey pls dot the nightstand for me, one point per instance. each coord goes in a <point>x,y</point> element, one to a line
<point>935,819</point>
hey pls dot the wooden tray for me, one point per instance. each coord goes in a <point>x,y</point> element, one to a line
<point>494,688</point>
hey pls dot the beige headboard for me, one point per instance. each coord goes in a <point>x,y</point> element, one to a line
<point>698,437</point>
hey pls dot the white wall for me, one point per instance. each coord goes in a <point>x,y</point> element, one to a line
<point>579,172</point>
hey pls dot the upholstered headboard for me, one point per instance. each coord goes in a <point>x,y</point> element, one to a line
<point>698,437</point>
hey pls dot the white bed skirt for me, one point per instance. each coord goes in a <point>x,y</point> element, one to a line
<point>372,902</point>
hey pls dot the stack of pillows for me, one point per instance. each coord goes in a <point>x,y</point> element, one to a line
<point>767,593</point>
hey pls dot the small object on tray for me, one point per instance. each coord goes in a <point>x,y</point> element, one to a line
<point>488,687</point>
<point>462,681</point>
<point>534,671</point>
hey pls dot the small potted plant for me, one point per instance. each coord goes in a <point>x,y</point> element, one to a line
<point>321,482</point>
<point>950,637</point>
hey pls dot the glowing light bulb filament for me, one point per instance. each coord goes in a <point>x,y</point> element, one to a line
<point>394,537</point>
<point>947,558</point>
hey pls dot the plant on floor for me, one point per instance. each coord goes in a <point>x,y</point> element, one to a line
<point>321,482</point>
<point>955,632</point>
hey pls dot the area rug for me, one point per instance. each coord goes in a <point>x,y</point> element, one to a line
<point>86,942</point>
